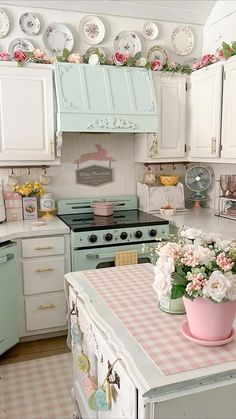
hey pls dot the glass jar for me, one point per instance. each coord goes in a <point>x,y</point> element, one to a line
<point>47,202</point>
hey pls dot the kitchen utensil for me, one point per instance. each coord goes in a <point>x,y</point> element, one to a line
<point>169,180</point>
<point>103,208</point>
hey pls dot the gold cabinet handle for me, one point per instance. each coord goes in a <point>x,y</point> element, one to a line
<point>43,248</point>
<point>46,306</point>
<point>44,269</point>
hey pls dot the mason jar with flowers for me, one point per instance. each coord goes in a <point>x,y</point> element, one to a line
<point>30,192</point>
<point>203,272</point>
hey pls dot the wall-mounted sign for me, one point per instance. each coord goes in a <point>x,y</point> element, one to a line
<point>94,175</point>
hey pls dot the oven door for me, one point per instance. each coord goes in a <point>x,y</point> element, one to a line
<point>104,257</point>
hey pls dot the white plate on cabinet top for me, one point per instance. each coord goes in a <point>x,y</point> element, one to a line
<point>92,29</point>
<point>56,37</point>
<point>20,44</point>
<point>182,39</point>
<point>29,23</point>
<point>150,31</point>
<point>4,24</point>
<point>127,42</point>
<point>157,53</point>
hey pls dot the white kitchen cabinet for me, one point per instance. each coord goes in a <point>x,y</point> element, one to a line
<point>169,141</point>
<point>228,142</point>
<point>26,114</point>
<point>43,303</point>
<point>205,112</point>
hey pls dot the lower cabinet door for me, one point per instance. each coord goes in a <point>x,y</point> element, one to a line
<point>45,311</point>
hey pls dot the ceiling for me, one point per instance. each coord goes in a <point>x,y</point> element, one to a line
<point>186,11</point>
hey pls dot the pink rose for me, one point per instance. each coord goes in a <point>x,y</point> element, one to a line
<point>206,60</point>
<point>220,55</point>
<point>197,64</point>
<point>156,65</point>
<point>74,58</point>
<point>39,54</point>
<point>19,56</point>
<point>119,58</point>
<point>4,56</point>
<point>173,65</point>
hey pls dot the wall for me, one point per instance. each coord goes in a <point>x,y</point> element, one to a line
<point>121,147</point>
<point>220,26</point>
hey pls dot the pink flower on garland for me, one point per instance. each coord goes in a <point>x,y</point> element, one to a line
<point>119,58</point>
<point>19,56</point>
<point>39,54</point>
<point>4,56</point>
<point>156,65</point>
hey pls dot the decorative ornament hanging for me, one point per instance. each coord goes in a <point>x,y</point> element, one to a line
<point>91,401</point>
<point>101,399</point>
<point>83,362</point>
<point>89,385</point>
<point>77,334</point>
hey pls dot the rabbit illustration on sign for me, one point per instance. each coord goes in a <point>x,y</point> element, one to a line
<point>100,155</point>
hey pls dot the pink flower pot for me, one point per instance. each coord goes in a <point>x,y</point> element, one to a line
<point>208,320</point>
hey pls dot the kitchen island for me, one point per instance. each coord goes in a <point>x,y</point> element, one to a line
<point>159,373</point>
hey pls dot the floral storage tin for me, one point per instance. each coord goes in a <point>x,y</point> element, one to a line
<point>30,207</point>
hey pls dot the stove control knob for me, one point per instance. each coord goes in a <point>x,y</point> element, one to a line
<point>123,235</point>
<point>138,234</point>
<point>93,238</point>
<point>152,232</point>
<point>108,237</point>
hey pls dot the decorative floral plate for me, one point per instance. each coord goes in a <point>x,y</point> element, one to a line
<point>157,53</point>
<point>29,23</point>
<point>182,39</point>
<point>150,31</point>
<point>20,44</point>
<point>127,42</point>
<point>56,37</point>
<point>4,24</point>
<point>92,29</point>
<point>93,50</point>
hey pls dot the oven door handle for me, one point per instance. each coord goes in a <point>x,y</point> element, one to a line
<point>91,256</point>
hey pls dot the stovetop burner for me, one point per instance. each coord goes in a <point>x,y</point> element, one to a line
<point>120,219</point>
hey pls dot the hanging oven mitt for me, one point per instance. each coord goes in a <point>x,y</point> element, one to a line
<point>126,258</point>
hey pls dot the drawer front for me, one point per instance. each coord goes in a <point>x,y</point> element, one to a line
<point>45,311</point>
<point>43,275</point>
<point>43,246</point>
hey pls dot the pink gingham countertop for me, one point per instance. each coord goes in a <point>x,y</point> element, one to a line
<point>128,292</point>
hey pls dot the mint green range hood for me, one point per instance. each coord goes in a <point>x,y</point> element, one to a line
<point>104,98</point>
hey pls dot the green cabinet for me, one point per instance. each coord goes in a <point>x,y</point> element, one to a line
<point>104,99</point>
<point>9,332</point>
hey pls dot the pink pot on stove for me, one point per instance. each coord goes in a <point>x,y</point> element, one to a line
<point>208,320</point>
<point>103,208</point>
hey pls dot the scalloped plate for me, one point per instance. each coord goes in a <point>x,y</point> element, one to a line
<point>20,44</point>
<point>56,37</point>
<point>150,31</point>
<point>92,29</point>
<point>127,42</point>
<point>182,40</point>
<point>29,23</point>
<point>4,24</point>
<point>157,53</point>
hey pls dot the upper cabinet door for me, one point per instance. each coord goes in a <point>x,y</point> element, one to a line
<point>26,114</point>
<point>228,141</point>
<point>205,111</point>
<point>169,139</point>
<point>104,98</point>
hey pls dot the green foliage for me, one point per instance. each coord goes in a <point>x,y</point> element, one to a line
<point>177,291</point>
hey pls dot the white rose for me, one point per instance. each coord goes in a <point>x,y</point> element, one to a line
<point>231,293</point>
<point>191,233</point>
<point>204,254</point>
<point>141,62</point>
<point>94,59</point>
<point>216,287</point>
<point>163,282</point>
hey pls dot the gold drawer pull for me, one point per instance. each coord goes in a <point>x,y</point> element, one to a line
<point>43,248</point>
<point>44,269</point>
<point>46,306</point>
